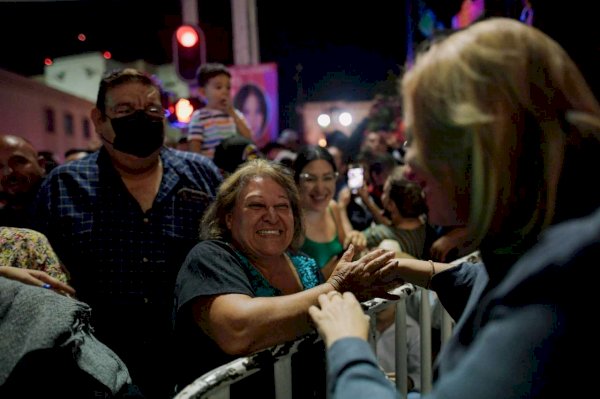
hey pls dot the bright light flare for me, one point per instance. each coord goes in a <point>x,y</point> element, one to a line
<point>345,119</point>
<point>184,110</point>
<point>187,36</point>
<point>324,120</point>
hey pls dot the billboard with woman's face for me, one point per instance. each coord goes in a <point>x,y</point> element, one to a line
<point>254,89</point>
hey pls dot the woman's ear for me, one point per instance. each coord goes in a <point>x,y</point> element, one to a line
<point>228,218</point>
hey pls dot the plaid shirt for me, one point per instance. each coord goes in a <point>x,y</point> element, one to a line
<point>123,261</point>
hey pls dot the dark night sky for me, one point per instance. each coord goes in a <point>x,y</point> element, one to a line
<point>346,52</point>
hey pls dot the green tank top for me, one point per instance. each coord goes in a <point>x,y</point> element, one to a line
<point>321,252</point>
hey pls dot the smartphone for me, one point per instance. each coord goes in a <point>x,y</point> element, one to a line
<point>355,178</point>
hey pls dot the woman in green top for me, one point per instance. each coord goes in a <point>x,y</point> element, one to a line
<point>315,174</point>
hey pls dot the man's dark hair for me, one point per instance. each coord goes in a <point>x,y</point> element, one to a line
<point>117,78</point>
<point>209,71</point>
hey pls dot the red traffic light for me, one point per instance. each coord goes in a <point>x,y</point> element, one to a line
<point>189,51</point>
<point>187,36</point>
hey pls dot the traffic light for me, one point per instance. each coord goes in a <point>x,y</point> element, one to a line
<point>189,51</point>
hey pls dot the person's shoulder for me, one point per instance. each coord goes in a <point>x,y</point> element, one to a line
<point>188,158</point>
<point>568,239</point>
<point>83,168</point>
<point>563,254</point>
<point>13,234</point>
<point>213,243</point>
<point>186,162</point>
<point>202,114</point>
<point>213,248</point>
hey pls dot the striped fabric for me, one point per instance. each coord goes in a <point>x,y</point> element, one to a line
<point>211,126</point>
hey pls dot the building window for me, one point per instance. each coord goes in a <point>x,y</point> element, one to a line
<point>49,116</point>
<point>86,128</point>
<point>68,120</point>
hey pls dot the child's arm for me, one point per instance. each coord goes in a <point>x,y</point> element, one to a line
<point>195,133</point>
<point>240,123</point>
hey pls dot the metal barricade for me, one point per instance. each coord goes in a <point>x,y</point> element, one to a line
<point>216,383</point>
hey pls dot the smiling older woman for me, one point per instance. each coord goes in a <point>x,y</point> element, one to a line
<point>245,287</point>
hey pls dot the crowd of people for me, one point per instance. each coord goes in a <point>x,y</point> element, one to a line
<point>144,266</point>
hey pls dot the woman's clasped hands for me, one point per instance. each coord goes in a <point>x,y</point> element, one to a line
<point>367,277</point>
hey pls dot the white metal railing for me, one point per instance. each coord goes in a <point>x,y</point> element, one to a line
<point>216,383</point>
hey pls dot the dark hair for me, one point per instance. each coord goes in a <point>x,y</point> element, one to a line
<point>214,226</point>
<point>119,77</point>
<point>246,91</point>
<point>382,163</point>
<point>407,195</point>
<point>308,153</point>
<point>49,159</point>
<point>209,71</point>
<point>272,145</point>
<point>234,151</point>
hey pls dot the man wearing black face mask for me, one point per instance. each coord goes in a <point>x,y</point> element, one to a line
<point>123,219</point>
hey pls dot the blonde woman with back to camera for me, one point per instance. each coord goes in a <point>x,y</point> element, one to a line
<point>503,133</point>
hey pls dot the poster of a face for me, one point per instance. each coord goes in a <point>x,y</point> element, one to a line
<point>254,89</point>
<point>251,100</point>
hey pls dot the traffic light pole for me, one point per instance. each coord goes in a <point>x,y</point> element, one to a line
<point>189,12</point>
<point>245,28</point>
<point>245,32</point>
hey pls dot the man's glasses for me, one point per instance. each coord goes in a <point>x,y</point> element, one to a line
<point>127,109</point>
<point>311,179</point>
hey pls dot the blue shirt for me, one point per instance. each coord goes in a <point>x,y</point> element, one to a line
<point>526,334</point>
<point>123,261</point>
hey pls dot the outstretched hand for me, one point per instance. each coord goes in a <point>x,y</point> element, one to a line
<point>339,316</point>
<point>37,278</point>
<point>362,277</point>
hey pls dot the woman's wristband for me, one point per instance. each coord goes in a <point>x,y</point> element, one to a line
<point>431,274</point>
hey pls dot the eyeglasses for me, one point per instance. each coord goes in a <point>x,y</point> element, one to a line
<point>127,109</point>
<point>310,179</point>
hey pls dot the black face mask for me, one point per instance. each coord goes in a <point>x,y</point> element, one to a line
<point>138,134</point>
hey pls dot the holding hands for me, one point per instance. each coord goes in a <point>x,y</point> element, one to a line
<point>365,277</point>
<point>339,316</point>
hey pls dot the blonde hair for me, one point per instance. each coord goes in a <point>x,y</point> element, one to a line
<point>491,105</point>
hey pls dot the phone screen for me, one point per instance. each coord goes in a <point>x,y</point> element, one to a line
<point>355,178</point>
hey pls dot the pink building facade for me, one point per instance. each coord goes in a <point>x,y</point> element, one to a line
<point>51,119</point>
